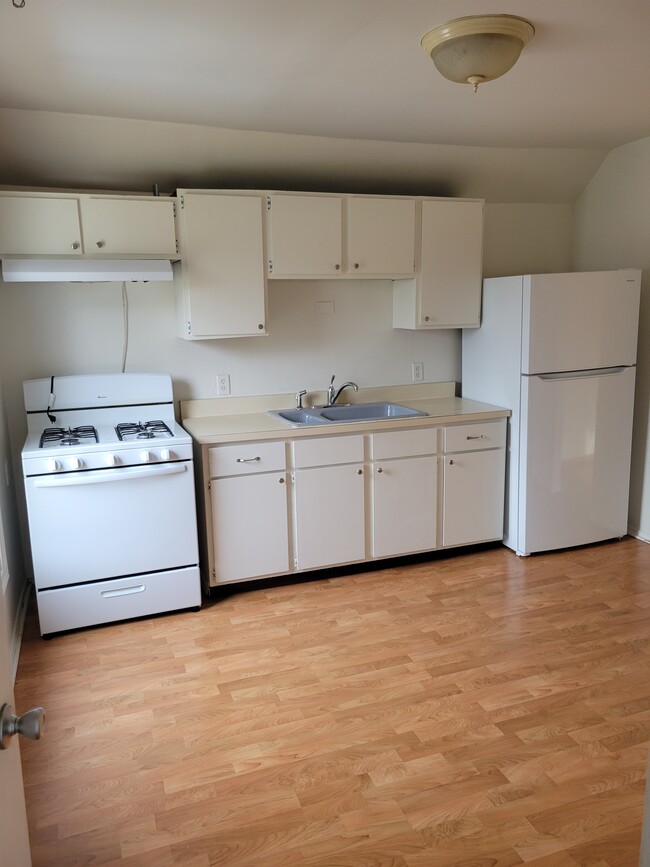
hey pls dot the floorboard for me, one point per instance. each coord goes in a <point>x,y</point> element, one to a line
<point>473,709</point>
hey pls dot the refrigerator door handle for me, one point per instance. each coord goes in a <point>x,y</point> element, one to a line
<point>584,374</point>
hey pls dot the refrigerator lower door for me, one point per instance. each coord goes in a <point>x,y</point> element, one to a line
<point>574,459</point>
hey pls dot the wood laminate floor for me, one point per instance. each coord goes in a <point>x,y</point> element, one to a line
<point>475,709</point>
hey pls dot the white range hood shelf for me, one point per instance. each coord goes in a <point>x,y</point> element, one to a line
<point>85,270</point>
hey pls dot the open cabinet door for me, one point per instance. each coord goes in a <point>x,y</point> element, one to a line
<point>14,840</point>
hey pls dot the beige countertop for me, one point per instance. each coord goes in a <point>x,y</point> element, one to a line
<point>239,419</point>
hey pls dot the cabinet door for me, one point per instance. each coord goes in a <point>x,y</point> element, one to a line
<point>381,236</point>
<point>473,492</point>
<point>304,236</point>
<point>329,516</point>
<point>222,272</point>
<point>451,264</point>
<point>128,227</point>
<point>249,527</point>
<point>39,226</point>
<point>404,494</point>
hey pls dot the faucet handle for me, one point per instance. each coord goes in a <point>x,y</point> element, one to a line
<point>299,397</point>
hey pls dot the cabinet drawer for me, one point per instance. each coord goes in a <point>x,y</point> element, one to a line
<point>246,458</point>
<point>327,450</point>
<point>404,443</point>
<point>469,437</point>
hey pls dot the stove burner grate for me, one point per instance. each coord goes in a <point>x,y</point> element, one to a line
<point>71,436</point>
<point>147,430</point>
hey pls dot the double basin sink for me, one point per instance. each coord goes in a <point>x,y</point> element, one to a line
<point>323,415</point>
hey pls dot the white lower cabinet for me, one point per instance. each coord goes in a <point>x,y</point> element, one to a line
<point>349,498</point>
<point>404,506</point>
<point>328,501</point>
<point>329,516</point>
<point>248,516</point>
<point>473,483</point>
<point>404,491</point>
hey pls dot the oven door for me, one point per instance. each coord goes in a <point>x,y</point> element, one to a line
<point>92,525</point>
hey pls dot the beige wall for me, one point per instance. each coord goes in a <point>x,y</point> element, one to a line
<point>612,230</point>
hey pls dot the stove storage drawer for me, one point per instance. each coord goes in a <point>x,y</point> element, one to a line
<point>119,599</point>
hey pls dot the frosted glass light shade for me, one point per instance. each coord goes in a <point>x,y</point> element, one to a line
<point>478,48</point>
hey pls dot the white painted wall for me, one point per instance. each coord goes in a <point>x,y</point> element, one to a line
<point>612,230</point>
<point>44,148</point>
<point>527,239</point>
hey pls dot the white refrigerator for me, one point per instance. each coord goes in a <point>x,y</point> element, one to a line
<point>559,350</point>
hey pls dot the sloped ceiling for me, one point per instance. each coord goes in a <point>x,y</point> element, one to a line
<point>307,94</point>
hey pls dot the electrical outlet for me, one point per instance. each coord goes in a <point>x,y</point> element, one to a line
<point>223,384</point>
<point>417,371</point>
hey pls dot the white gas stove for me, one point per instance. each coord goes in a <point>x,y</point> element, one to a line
<point>110,499</point>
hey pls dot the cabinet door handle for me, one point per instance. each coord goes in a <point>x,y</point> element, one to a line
<point>481,437</point>
<point>75,245</point>
<point>359,472</point>
<point>451,463</point>
<point>101,243</point>
<point>248,460</point>
<point>380,469</point>
<point>281,480</point>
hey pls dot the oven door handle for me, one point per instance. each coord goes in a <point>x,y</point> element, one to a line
<point>93,478</point>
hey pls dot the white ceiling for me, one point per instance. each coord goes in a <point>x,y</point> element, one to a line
<point>337,68</point>
<point>330,95</point>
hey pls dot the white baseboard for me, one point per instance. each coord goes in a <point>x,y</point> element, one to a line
<point>643,537</point>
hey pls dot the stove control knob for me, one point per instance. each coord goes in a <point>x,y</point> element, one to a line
<point>111,460</point>
<point>75,463</point>
<point>52,465</point>
<point>165,455</point>
<point>145,456</point>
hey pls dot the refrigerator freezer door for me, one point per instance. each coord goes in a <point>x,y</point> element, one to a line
<point>576,436</point>
<point>579,321</point>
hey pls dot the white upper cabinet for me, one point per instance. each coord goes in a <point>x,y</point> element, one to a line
<point>84,225</point>
<point>304,235</point>
<point>221,286</point>
<point>40,226</point>
<point>381,236</point>
<point>446,293</point>
<point>123,227</point>
<point>340,236</point>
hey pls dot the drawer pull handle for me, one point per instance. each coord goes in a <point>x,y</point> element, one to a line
<point>248,460</point>
<point>125,591</point>
<point>481,437</point>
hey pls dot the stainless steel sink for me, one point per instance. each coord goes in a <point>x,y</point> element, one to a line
<point>298,417</point>
<point>368,412</point>
<point>355,412</point>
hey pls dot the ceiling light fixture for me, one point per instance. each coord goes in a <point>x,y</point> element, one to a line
<point>477,48</point>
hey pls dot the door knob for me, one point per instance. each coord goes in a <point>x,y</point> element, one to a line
<point>30,725</point>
